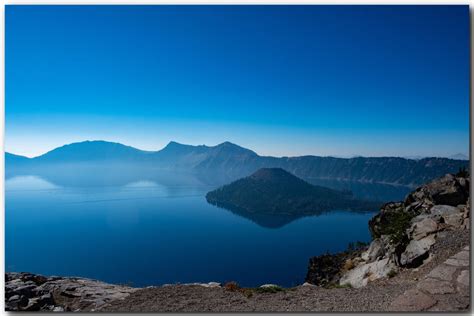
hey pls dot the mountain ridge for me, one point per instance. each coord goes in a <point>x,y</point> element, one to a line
<point>458,156</point>
<point>236,162</point>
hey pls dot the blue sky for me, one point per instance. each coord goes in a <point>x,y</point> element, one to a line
<point>281,80</point>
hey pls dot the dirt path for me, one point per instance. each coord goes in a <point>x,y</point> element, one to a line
<point>446,287</point>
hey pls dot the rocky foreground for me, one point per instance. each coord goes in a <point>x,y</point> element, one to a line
<point>403,235</point>
<point>418,260</point>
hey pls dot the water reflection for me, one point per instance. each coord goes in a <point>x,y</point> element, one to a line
<point>154,227</point>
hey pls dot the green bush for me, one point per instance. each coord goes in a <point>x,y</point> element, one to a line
<point>392,273</point>
<point>269,289</point>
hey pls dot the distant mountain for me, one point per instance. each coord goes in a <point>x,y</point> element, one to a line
<point>459,157</point>
<point>414,157</point>
<point>274,191</point>
<point>92,151</point>
<point>230,161</point>
<point>14,159</point>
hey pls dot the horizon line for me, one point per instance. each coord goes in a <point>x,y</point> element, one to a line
<point>411,157</point>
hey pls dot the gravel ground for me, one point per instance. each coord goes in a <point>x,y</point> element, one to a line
<point>303,298</point>
<point>377,296</point>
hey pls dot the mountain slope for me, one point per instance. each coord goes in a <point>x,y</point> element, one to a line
<point>92,151</point>
<point>12,159</point>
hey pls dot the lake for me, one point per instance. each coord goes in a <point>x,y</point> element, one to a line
<point>152,232</point>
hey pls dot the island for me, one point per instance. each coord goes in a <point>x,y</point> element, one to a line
<point>275,191</point>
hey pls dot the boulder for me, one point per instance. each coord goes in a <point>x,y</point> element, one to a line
<point>422,226</point>
<point>34,304</point>
<point>376,250</point>
<point>447,214</point>
<point>447,190</point>
<point>306,284</point>
<point>28,292</point>
<point>14,298</point>
<point>24,290</point>
<point>417,251</point>
<point>364,273</point>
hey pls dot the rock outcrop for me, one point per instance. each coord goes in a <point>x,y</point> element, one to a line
<point>404,232</point>
<point>31,292</point>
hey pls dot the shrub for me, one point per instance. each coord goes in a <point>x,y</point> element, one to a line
<point>392,273</point>
<point>248,293</point>
<point>462,172</point>
<point>339,286</point>
<point>231,286</point>
<point>269,289</point>
<point>348,265</point>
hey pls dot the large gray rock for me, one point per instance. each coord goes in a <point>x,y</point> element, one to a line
<point>447,214</point>
<point>417,251</point>
<point>422,227</point>
<point>367,272</point>
<point>447,190</point>
<point>28,292</point>
<point>376,250</point>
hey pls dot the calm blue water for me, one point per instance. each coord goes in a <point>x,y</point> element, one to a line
<point>147,233</point>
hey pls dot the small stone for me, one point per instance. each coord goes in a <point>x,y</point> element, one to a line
<point>14,298</point>
<point>214,284</point>
<point>463,278</point>
<point>34,304</point>
<point>25,290</point>
<point>412,301</point>
<point>308,284</point>
<point>443,272</point>
<point>46,298</point>
<point>58,309</point>
<point>433,286</point>
<point>268,285</point>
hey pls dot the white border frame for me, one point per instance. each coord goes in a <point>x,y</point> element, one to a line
<point>180,2</point>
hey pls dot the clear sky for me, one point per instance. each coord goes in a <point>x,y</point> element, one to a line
<point>281,80</point>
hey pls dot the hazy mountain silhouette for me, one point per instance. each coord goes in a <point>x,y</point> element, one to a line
<point>459,156</point>
<point>15,159</point>
<point>93,151</point>
<point>228,161</point>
